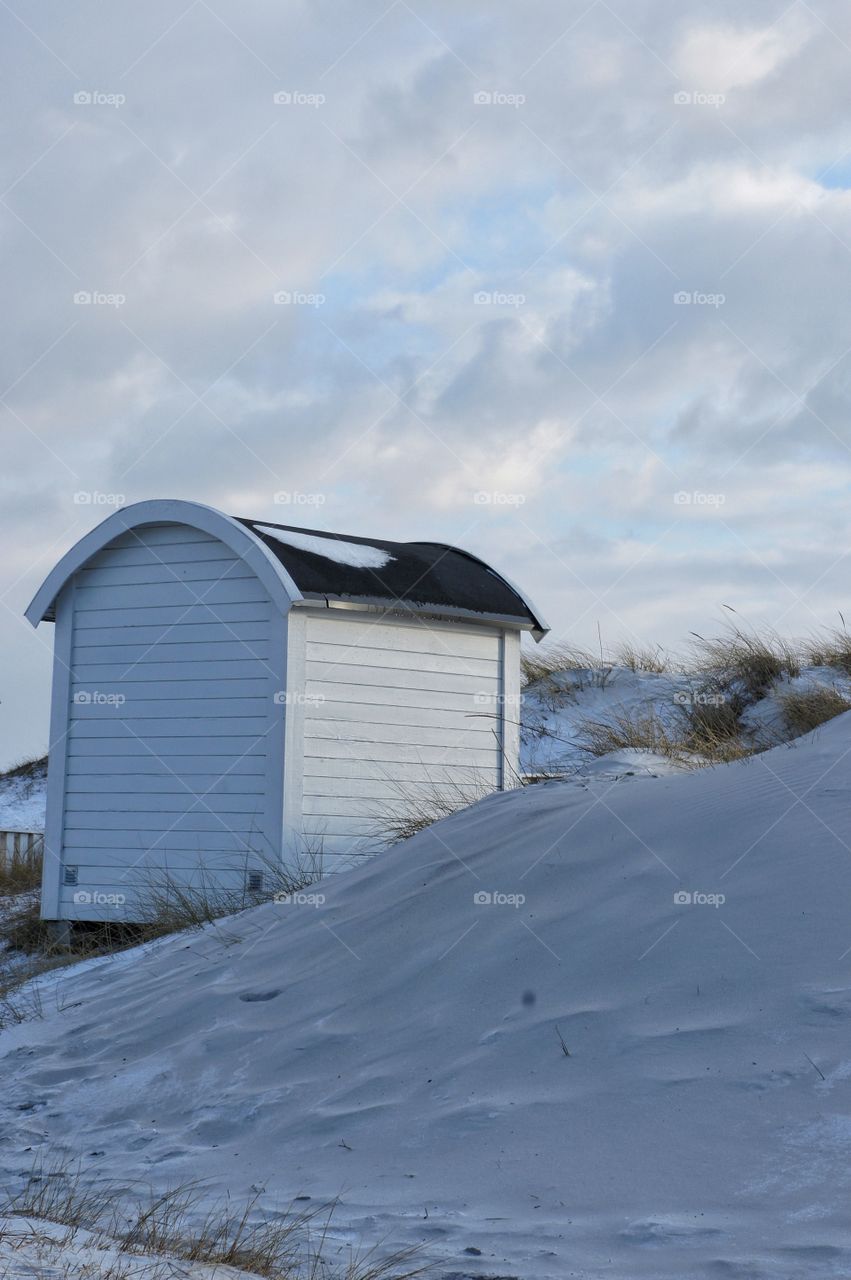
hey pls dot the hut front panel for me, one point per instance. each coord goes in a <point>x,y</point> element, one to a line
<point>174,757</point>
<point>394,714</point>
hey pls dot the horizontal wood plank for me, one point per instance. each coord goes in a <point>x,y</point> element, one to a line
<point>402,789</point>
<point>426,636</point>
<point>341,655</point>
<point>199,709</point>
<point>119,806</point>
<point>162,533</point>
<point>336,678</point>
<point>148,788</point>
<point>199,728</point>
<point>140,695</point>
<point>163,571</point>
<point>172,615</point>
<point>145,767</point>
<point>173,553</point>
<point>248,590</point>
<point>200,821</point>
<point>322,754</point>
<point>239,668</point>
<point>138,842</point>
<point>171,641</point>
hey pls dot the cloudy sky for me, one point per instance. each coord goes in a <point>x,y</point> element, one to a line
<point>566,283</point>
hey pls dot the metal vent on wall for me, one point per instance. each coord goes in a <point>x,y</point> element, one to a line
<point>254,881</point>
<point>70,876</point>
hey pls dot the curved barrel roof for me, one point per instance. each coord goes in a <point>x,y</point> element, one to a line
<point>417,575</point>
<point>304,565</point>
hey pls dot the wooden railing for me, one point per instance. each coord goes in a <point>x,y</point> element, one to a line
<point>18,847</point>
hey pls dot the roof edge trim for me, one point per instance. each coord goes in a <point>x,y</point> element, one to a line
<point>390,607</point>
<point>242,541</point>
<point>540,627</point>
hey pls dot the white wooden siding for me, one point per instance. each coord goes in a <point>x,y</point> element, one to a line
<point>175,736</point>
<point>391,710</point>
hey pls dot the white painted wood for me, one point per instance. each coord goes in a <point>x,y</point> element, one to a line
<point>323,753</point>
<point>145,595</point>
<point>134,789</point>
<point>159,532</point>
<point>389,731</point>
<point>57,754</point>
<point>171,616</point>
<point>20,847</point>
<point>194,522</point>
<point>397,788</point>
<point>141,697</point>
<point>295,842</point>
<point>100,869</point>
<point>240,635</point>
<point>162,704</point>
<point>510,710</point>
<point>168,749</point>
<point>174,740</point>
<point>375,755</point>
<point>99,865</point>
<point>363,678</point>
<point>358,832</point>
<point>220,671</point>
<point>375,697</point>
<point>124,728</point>
<point>123,552</point>
<point>360,630</point>
<point>380,693</point>
<point>99,806</point>
<point>110,765</point>
<point>193,683</point>
<point>340,655</point>
<point>194,572</point>
<point>461,718</point>
<point>136,842</point>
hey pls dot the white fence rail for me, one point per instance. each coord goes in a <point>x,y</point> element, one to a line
<point>20,847</point>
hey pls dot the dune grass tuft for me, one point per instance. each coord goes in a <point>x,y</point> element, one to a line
<point>638,730</point>
<point>806,709</point>
<point>539,664</point>
<point>831,648</point>
<point>20,874</point>
<point>747,661</point>
<point>636,657</point>
<point>705,732</point>
<point>177,1224</point>
<point>413,807</point>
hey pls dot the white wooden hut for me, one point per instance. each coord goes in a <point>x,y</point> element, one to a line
<point>230,694</point>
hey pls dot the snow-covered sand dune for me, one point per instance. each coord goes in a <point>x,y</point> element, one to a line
<point>553,714</point>
<point>22,798</point>
<point>400,1045</point>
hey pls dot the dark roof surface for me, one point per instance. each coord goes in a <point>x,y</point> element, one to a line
<point>418,574</point>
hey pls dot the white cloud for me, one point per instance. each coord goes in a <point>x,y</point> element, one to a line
<point>720,57</point>
<point>397,199</point>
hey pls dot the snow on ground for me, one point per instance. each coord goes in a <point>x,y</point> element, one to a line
<point>554,709</point>
<point>688,942</point>
<point>552,713</point>
<point>32,1248</point>
<point>765,717</point>
<point>22,801</point>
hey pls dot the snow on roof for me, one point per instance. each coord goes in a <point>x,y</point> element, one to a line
<point>357,555</point>
<point>417,575</point>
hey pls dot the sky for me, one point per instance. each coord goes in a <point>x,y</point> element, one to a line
<point>566,284</point>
